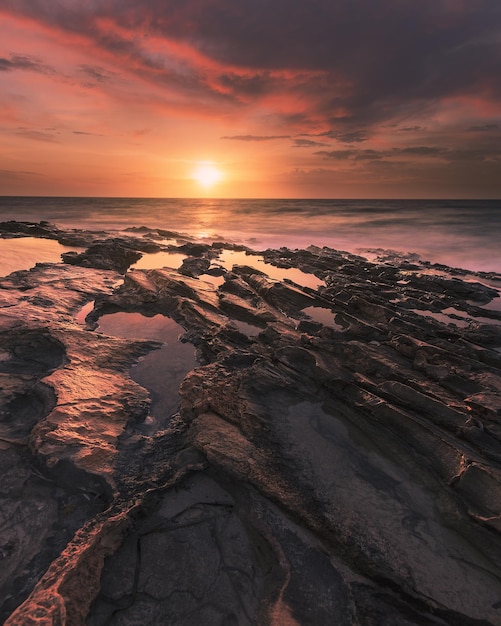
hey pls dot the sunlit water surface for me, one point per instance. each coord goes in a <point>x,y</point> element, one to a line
<point>323,316</point>
<point>22,253</point>
<point>456,317</point>
<point>460,233</point>
<point>155,260</point>
<point>160,371</point>
<point>84,311</point>
<point>229,258</point>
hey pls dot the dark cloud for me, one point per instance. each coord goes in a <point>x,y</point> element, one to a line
<point>472,154</point>
<point>356,64</point>
<point>420,150</point>
<point>82,132</point>
<point>252,85</point>
<point>96,73</point>
<point>409,129</point>
<point>36,135</point>
<point>384,53</point>
<point>354,136</point>
<point>299,119</point>
<point>485,128</point>
<point>475,155</point>
<point>24,62</point>
<point>10,174</point>
<point>373,155</point>
<point>339,155</point>
<point>255,137</point>
<point>307,143</point>
<point>368,155</point>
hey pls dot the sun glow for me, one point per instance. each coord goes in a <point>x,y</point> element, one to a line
<point>207,175</point>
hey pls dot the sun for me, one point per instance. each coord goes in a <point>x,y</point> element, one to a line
<point>207,175</point>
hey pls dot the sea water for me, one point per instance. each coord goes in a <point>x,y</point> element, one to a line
<point>459,233</point>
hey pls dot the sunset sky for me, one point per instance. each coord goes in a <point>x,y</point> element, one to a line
<point>274,98</point>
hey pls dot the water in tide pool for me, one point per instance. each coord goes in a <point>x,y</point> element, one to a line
<point>460,233</point>
<point>160,371</point>
<point>23,252</point>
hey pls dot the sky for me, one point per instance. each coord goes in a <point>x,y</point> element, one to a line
<point>274,98</point>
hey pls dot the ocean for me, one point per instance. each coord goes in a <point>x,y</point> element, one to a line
<point>459,233</point>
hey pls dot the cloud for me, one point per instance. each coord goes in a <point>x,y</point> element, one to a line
<point>356,65</point>
<point>473,154</point>
<point>82,132</point>
<point>36,135</point>
<point>255,137</point>
<point>24,62</point>
<point>368,155</point>
<point>338,155</point>
<point>307,143</point>
<point>347,136</point>
<point>252,84</point>
<point>485,128</point>
<point>354,136</point>
<point>95,73</point>
<point>373,155</point>
<point>343,75</point>
<point>421,150</point>
<point>10,174</point>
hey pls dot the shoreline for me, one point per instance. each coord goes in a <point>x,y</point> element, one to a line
<point>335,452</point>
<point>454,233</point>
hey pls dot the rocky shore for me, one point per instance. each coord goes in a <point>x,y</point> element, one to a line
<point>335,457</point>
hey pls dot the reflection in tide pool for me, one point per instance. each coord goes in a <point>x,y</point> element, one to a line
<point>443,317</point>
<point>161,371</point>
<point>216,281</point>
<point>156,260</point>
<point>324,316</point>
<point>22,253</point>
<point>229,258</point>
<point>493,305</point>
<point>247,329</point>
<point>84,311</point>
<point>456,317</point>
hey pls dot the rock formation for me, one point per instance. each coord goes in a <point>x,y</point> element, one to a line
<point>335,458</point>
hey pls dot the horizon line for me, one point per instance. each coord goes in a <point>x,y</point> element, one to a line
<point>337,199</point>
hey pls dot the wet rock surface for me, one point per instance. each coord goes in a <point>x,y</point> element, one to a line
<point>344,471</point>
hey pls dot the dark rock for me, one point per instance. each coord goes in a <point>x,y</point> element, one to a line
<point>29,229</point>
<point>313,475</point>
<point>193,266</point>
<point>114,255</point>
<point>194,249</point>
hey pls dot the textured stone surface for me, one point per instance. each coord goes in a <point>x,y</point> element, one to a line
<point>317,472</point>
